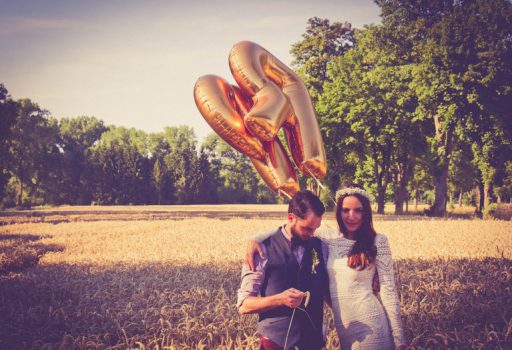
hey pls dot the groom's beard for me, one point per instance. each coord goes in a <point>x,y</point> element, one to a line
<point>297,236</point>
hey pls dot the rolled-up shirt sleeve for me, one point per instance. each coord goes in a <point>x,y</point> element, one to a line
<point>252,280</point>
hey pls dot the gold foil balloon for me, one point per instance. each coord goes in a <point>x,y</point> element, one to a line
<point>280,99</point>
<point>222,106</point>
<point>270,96</point>
<point>277,170</point>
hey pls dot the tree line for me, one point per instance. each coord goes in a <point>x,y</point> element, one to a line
<point>416,108</point>
<point>81,161</point>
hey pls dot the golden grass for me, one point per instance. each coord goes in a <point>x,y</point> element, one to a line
<point>171,284</point>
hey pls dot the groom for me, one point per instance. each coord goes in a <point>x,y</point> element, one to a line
<point>288,287</point>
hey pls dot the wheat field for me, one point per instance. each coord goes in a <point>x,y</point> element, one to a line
<point>157,279</point>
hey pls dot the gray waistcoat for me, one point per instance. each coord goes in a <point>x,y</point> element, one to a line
<point>283,272</point>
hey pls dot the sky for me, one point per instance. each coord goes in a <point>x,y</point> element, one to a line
<point>134,63</point>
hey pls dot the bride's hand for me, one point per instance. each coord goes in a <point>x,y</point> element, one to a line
<point>253,248</point>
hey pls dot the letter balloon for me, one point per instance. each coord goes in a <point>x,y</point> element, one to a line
<point>269,96</point>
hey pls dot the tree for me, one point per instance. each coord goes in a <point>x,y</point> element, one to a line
<point>33,150</point>
<point>179,173</point>
<point>439,100</point>
<point>504,189</point>
<point>158,180</point>
<point>78,135</point>
<point>8,110</point>
<point>181,162</point>
<point>463,173</point>
<point>161,179</point>
<point>238,181</point>
<point>478,46</point>
<point>209,178</point>
<point>421,181</point>
<point>321,43</point>
<point>366,110</point>
<point>121,167</point>
<point>461,50</point>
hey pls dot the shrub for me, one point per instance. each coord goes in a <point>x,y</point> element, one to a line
<point>489,212</point>
<point>503,212</point>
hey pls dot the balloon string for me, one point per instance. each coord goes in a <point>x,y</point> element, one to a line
<point>323,188</point>
<point>280,191</point>
<point>290,324</point>
<point>320,184</point>
<point>288,333</point>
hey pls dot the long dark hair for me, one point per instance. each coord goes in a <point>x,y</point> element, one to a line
<point>363,252</point>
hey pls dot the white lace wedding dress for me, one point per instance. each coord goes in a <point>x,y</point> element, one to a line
<point>361,320</point>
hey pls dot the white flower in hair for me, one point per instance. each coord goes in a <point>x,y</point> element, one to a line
<point>351,191</point>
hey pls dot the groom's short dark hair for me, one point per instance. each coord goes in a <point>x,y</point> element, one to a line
<point>305,201</point>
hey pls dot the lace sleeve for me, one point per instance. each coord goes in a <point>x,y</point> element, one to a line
<point>326,233</point>
<point>261,236</point>
<point>388,292</point>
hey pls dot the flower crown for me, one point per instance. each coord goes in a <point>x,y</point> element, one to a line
<point>349,191</point>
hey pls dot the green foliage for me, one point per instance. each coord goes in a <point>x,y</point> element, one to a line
<point>33,152</point>
<point>504,188</point>
<point>121,167</point>
<point>81,161</point>
<point>489,212</point>
<point>366,109</point>
<point>321,43</point>
<point>182,163</point>
<point>432,78</point>
<point>462,173</point>
<point>238,180</point>
<point>459,50</point>
<point>8,109</point>
<point>78,135</point>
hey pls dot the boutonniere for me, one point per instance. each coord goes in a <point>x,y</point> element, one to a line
<point>314,261</point>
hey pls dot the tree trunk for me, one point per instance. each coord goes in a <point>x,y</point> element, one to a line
<point>381,190</point>
<point>381,199</point>
<point>443,151</point>
<point>460,199</point>
<point>441,187</point>
<point>488,194</point>
<point>20,193</point>
<point>381,177</point>
<point>481,197</point>
<point>401,179</point>
<point>399,201</point>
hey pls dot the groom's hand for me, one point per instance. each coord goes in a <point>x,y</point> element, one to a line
<point>291,297</point>
<point>253,248</point>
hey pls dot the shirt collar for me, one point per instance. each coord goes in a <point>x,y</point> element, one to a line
<point>286,235</point>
